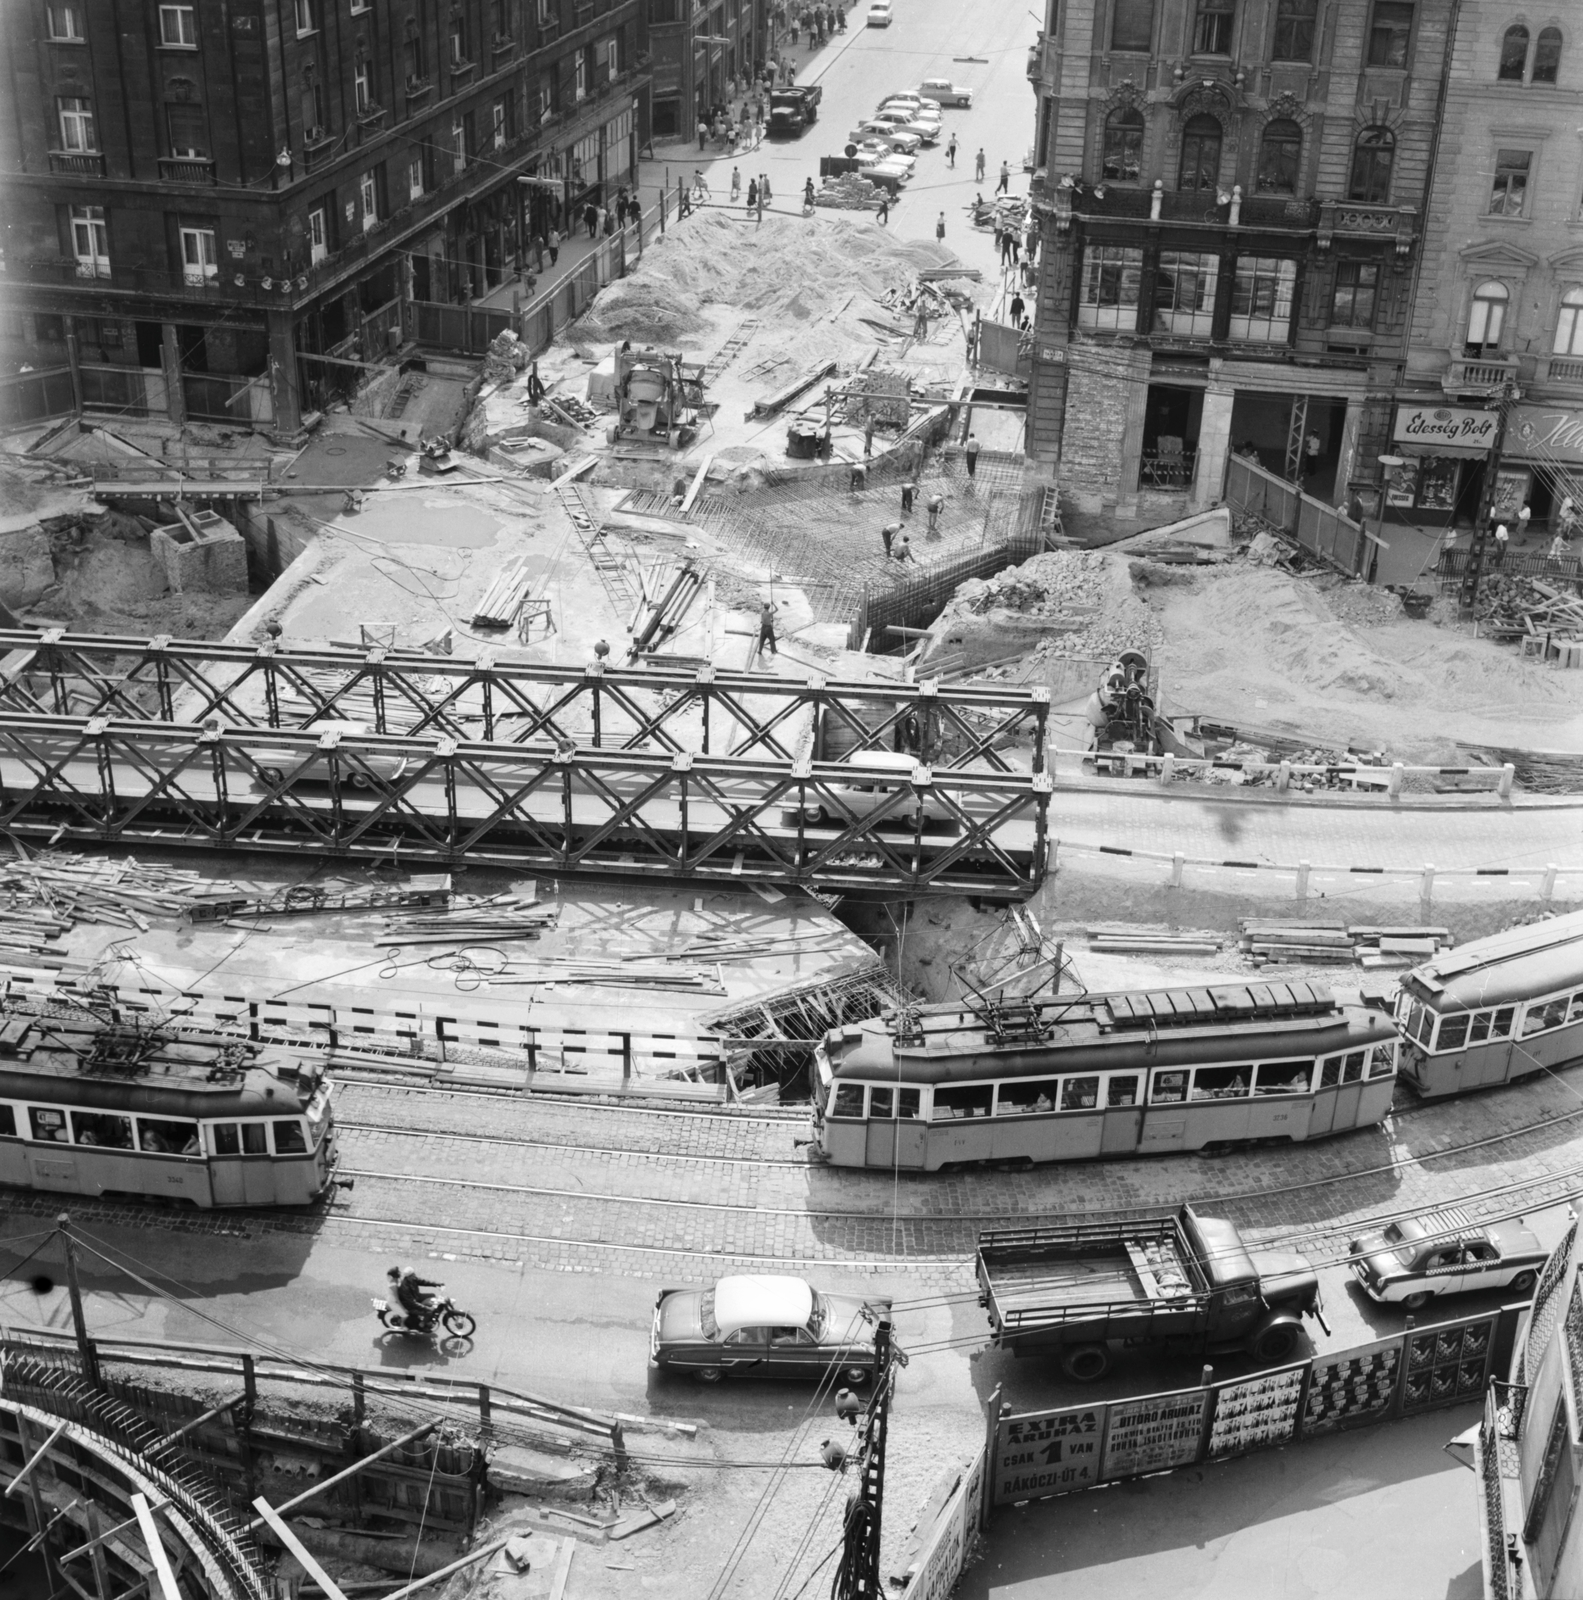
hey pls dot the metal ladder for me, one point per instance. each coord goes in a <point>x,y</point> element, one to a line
<point>727,353</point>
<point>612,569</point>
<point>1296,433</point>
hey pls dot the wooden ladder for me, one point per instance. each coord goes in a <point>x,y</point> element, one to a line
<point>612,569</point>
<point>728,352</point>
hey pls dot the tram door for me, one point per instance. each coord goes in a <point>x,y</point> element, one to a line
<point>1123,1114</point>
<point>894,1140</point>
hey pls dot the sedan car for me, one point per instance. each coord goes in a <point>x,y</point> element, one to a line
<point>879,14</point>
<point>772,1327</point>
<point>943,92</point>
<point>921,128</point>
<point>887,134</point>
<point>908,101</point>
<point>1412,1261</point>
<point>876,152</point>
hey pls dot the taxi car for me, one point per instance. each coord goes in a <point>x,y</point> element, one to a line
<point>945,93</point>
<point>1417,1259</point>
<point>767,1326</point>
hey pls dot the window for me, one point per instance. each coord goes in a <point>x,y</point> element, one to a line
<point>306,20</point>
<point>178,25</point>
<point>962,1100</point>
<point>76,124</point>
<point>1079,1094</point>
<point>90,242</point>
<point>318,239</point>
<point>65,19</point>
<point>362,85</point>
<point>1388,38</point>
<point>1112,276</point>
<point>1184,293</point>
<point>544,13</point>
<point>1514,54</point>
<point>1261,298</point>
<point>312,111</point>
<point>1221,1083</point>
<point>1547,56</point>
<point>289,1137</point>
<point>1122,1091</point>
<point>1373,156</point>
<point>200,263</point>
<point>1212,27</point>
<point>458,41</point>
<point>1132,25</point>
<point>102,1128</point>
<point>546,100</point>
<point>415,177</point>
<point>580,77</point>
<point>48,1124</point>
<point>498,120</point>
<point>1294,30</point>
<point>368,189</point>
<point>882,1102</point>
<point>1032,1094</point>
<point>359,6</point>
<point>1283,1077</point>
<point>188,130</point>
<point>1569,325</point>
<point>1453,1033</point>
<point>1357,287</point>
<point>1123,146</point>
<point>500,18</point>
<point>613,57</point>
<point>1280,152</point>
<point>1169,1088</point>
<point>167,1138</point>
<point>1538,1018</point>
<point>848,1100</point>
<point>458,144</point>
<point>1509,192</point>
<point>1382,1060</point>
<point>412,58</point>
<point>1199,171</point>
<point>7,1123</point>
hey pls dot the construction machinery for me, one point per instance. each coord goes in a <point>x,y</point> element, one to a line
<point>1122,713</point>
<point>658,396</point>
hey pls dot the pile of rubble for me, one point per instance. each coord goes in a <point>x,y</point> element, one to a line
<point>850,192</point>
<point>1516,606</point>
<point>880,395</point>
<point>505,358</point>
<point>936,299</point>
<point>1306,783</point>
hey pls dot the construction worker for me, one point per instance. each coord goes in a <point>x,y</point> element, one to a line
<point>888,534</point>
<point>936,506</point>
<point>972,455</point>
<point>767,628</point>
<point>908,490</point>
<point>868,438</point>
<point>859,476</point>
<point>902,548</point>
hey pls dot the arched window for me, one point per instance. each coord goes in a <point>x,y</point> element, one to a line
<point>1123,145</point>
<point>1514,54</point>
<point>1372,158</point>
<point>1569,325</point>
<point>1280,152</point>
<point>1200,169</point>
<point>1547,56</point>
<point>1486,318</point>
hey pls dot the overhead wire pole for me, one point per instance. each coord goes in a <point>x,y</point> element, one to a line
<point>858,1576</point>
<point>1467,597</point>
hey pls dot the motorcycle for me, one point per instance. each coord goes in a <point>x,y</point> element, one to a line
<point>445,1313</point>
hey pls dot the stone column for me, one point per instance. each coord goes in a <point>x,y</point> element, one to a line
<point>283,371</point>
<point>1214,444</point>
<point>175,395</point>
<point>1137,402</point>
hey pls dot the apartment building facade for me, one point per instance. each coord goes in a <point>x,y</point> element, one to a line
<point>1229,197</point>
<point>220,212</point>
<point>698,48</point>
<point>1498,318</point>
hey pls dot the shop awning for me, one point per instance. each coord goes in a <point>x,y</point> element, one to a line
<point>1462,452</point>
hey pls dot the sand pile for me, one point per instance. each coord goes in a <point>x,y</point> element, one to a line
<point>786,269</point>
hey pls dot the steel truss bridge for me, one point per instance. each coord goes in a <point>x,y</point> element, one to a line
<point>686,774</point>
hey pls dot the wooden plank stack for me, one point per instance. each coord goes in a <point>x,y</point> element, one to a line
<point>502,600</point>
<point>470,919</point>
<point>1121,940</point>
<point>1271,940</point>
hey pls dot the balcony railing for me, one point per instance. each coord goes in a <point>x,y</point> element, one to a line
<point>1561,370</point>
<point>1469,374</point>
<point>1353,219</point>
<point>1258,211</point>
<point>79,163</point>
<point>187,169</point>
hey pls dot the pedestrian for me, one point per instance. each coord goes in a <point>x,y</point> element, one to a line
<point>1016,310</point>
<point>888,533</point>
<point>920,324</point>
<point>635,211</point>
<point>791,72</point>
<point>753,193</point>
<point>736,185</point>
<point>1005,177</point>
<point>901,550</point>
<point>936,506</point>
<point>1015,245</point>
<point>972,455</point>
<point>764,187</point>
<point>868,439</point>
<point>908,490</point>
<point>978,166</point>
<point>700,182</point>
<point>1558,548</point>
<point>1312,446</point>
<point>607,222</point>
<point>950,150</point>
<point>767,627</point>
<point>1502,538</point>
<point>1522,521</point>
<point>939,226</point>
<point>703,134</point>
<point>795,29</point>
<point>807,194</point>
<point>591,218</point>
<point>884,208</point>
<point>555,245</point>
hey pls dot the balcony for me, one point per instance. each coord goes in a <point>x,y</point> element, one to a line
<point>317,148</point>
<point>187,169</point>
<point>78,163</point>
<point>1107,200</point>
<point>1353,219</point>
<point>1560,372</point>
<point>418,90</point>
<point>1477,374</point>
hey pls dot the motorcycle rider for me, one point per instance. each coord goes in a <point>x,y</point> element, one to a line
<point>408,1288</point>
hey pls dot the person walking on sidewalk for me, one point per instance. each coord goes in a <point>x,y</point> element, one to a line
<point>950,151</point>
<point>972,455</point>
<point>591,218</point>
<point>978,165</point>
<point>767,628</point>
<point>1005,177</point>
<point>1502,539</point>
<point>753,193</point>
<point>703,134</point>
<point>764,187</point>
<point>736,185</point>
<point>1016,310</point>
<point>555,245</point>
<point>939,226</point>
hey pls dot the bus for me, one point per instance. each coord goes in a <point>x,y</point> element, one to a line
<point>100,1107</point>
<point>1494,1010</point>
<point>1126,1074</point>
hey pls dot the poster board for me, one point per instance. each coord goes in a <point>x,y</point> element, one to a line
<point>1353,1387</point>
<point>1047,1452</point>
<point>1253,1413</point>
<point>1153,1434</point>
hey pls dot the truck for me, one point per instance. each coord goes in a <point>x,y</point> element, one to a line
<point>1176,1281</point>
<point>793,111</point>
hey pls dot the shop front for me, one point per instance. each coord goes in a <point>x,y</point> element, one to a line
<point>1443,452</point>
<point>1541,462</point>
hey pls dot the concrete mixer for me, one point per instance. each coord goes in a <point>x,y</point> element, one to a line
<point>1122,714</point>
<point>657,397</point>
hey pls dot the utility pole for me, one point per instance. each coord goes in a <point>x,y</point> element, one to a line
<point>1471,574</point>
<point>858,1576</point>
<point>85,1349</point>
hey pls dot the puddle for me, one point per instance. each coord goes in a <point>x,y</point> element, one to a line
<point>424,519</point>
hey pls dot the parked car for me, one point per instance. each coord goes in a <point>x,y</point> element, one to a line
<point>943,92</point>
<point>873,151</point>
<point>907,101</point>
<point>773,1327</point>
<point>925,114</point>
<point>1417,1259</point>
<point>921,128</point>
<point>879,14</point>
<point>876,776</point>
<point>888,134</point>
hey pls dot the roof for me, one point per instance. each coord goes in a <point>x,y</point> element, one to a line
<point>754,1302</point>
<point>1540,958</point>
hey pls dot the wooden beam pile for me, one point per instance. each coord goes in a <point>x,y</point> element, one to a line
<point>1271,940</point>
<point>1143,942</point>
<point>469,919</point>
<point>123,894</point>
<point>502,600</point>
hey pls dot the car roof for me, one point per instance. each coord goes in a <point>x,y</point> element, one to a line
<point>758,1300</point>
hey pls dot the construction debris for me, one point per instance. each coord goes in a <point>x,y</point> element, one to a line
<point>851,192</point>
<point>1276,939</point>
<point>1519,609</point>
<point>502,600</point>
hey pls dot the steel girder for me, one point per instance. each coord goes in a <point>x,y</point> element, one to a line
<point>673,709</point>
<point>552,807</point>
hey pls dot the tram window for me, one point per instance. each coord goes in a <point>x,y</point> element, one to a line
<point>226,1142</point>
<point>1330,1072</point>
<point>1453,1032</point>
<point>7,1123</point>
<point>1382,1061</point>
<point>1551,1014</point>
<point>1079,1094</point>
<point>1352,1069</point>
<point>962,1100</point>
<point>880,1102</point>
<point>1426,1025</point>
<point>1221,1083</point>
<point>1283,1077</point>
<point>48,1124</point>
<point>1123,1091</point>
<point>289,1138</point>
<point>167,1138</point>
<point>907,1105</point>
<point>1479,1027</point>
<point>848,1100</point>
<point>1031,1094</point>
<point>100,1127</point>
<point>1169,1087</point>
<point>1576,1013</point>
<point>1501,1023</point>
<point>255,1138</point>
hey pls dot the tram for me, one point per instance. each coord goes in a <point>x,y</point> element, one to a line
<point>95,1106</point>
<point>1063,1078</point>
<point>1494,1010</point>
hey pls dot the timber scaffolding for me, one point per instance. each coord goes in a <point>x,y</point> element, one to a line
<point>686,774</point>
